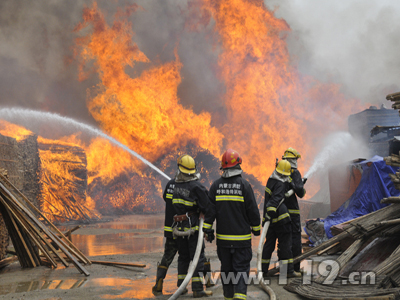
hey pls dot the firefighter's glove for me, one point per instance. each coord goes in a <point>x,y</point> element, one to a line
<point>304,180</point>
<point>209,234</point>
<point>292,185</point>
<point>271,212</point>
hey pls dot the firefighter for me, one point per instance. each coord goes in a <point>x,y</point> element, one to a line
<point>297,184</point>
<point>171,246</point>
<point>190,199</point>
<point>235,210</point>
<point>280,227</point>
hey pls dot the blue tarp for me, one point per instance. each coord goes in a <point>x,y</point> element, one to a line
<point>375,185</point>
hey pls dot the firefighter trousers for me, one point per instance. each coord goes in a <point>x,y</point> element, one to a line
<point>186,249</point>
<point>282,233</point>
<point>235,268</point>
<point>170,250</point>
<point>296,241</point>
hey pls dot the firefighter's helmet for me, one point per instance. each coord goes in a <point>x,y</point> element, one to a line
<point>291,153</point>
<point>186,164</point>
<point>230,158</point>
<point>283,167</point>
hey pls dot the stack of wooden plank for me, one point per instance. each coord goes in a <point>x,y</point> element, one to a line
<point>363,230</point>
<point>395,98</point>
<point>394,160</point>
<point>35,244</point>
<point>63,179</point>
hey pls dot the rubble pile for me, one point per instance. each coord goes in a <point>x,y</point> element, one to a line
<point>383,276</point>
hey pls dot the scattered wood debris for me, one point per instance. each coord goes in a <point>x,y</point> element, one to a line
<point>363,231</point>
<point>114,263</point>
<point>6,261</point>
<point>29,235</point>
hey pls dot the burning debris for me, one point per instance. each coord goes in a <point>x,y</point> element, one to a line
<point>63,179</point>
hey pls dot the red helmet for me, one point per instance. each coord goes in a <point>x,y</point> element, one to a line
<point>230,158</point>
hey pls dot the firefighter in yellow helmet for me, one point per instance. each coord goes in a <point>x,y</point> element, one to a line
<point>189,200</point>
<point>171,245</point>
<point>277,213</point>
<point>235,210</point>
<point>297,184</point>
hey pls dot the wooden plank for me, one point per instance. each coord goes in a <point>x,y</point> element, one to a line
<point>31,261</point>
<point>114,263</point>
<point>327,249</point>
<point>341,261</point>
<point>9,160</point>
<point>391,200</point>
<point>315,250</point>
<point>53,237</point>
<point>28,227</point>
<point>6,261</point>
<point>72,247</point>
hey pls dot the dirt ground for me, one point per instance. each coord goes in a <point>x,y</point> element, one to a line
<point>137,239</point>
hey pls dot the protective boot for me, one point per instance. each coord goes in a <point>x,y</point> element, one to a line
<point>157,289</point>
<point>161,273</point>
<point>200,294</point>
<point>294,274</point>
<point>207,273</point>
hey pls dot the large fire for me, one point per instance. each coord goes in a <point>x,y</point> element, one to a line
<point>269,105</point>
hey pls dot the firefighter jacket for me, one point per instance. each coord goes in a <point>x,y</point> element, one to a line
<point>292,203</point>
<point>274,193</point>
<point>169,209</point>
<point>234,207</point>
<point>190,198</point>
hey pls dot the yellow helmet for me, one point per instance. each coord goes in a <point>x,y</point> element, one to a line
<point>291,153</point>
<point>284,167</point>
<point>186,164</point>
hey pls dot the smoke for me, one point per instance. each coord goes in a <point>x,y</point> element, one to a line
<point>36,55</point>
<point>352,43</point>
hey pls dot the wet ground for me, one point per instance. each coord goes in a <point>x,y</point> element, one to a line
<point>137,239</point>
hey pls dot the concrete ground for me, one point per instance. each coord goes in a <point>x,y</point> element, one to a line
<point>135,239</point>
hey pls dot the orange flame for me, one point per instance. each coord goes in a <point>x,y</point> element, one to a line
<point>15,131</point>
<point>63,179</point>
<point>270,106</point>
<point>144,113</point>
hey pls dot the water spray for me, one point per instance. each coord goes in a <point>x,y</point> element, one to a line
<point>338,142</point>
<point>18,113</point>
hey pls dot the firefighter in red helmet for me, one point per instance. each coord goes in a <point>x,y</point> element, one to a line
<point>236,213</point>
<point>280,227</point>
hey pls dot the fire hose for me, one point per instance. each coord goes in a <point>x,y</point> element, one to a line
<point>193,263</point>
<point>263,235</point>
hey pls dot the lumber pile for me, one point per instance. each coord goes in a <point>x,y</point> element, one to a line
<point>8,161</point>
<point>394,160</point>
<point>395,98</point>
<point>63,180</point>
<point>32,240</point>
<point>363,230</point>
